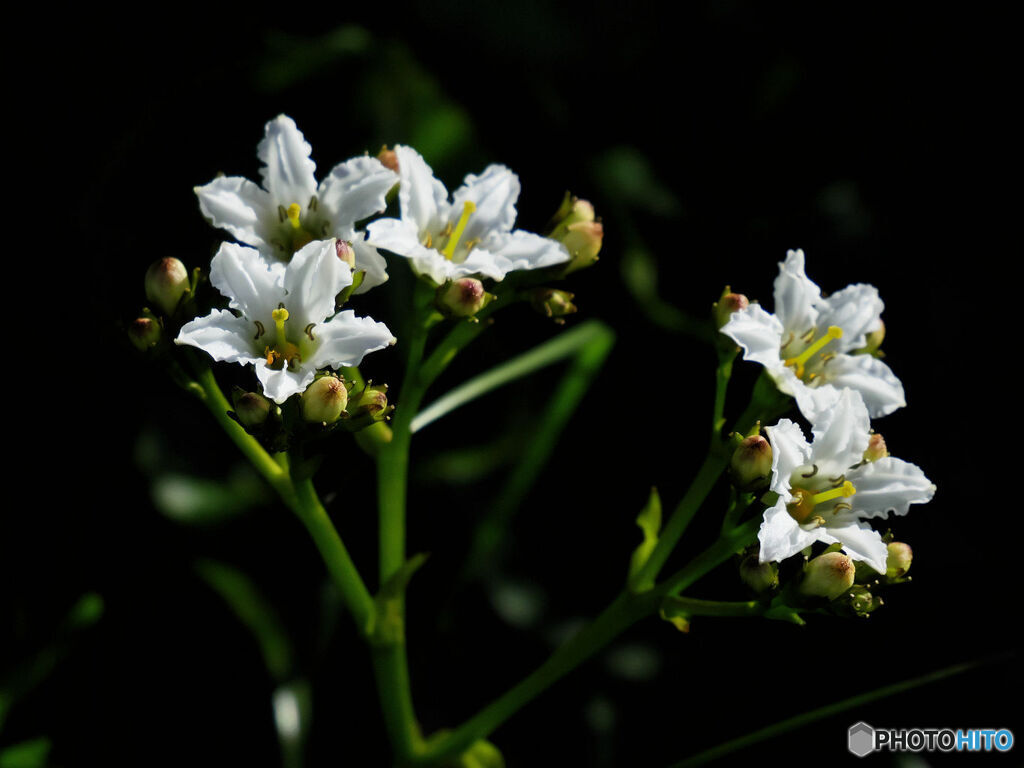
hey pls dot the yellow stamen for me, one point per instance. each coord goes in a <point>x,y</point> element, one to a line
<point>280,315</point>
<point>467,208</point>
<point>293,214</point>
<point>846,489</point>
<point>833,332</point>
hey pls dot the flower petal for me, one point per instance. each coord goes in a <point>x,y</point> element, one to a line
<point>355,190</point>
<point>422,199</point>
<point>781,536</point>
<point>861,542</point>
<point>758,332</point>
<point>237,205</point>
<point>254,285</point>
<point>287,168</point>
<point>841,433</point>
<point>314,277</point>
<point>857,309</point>
<point>873,379</point>
<point>369,261</point>
<point>222,336</point>
<point>888,485</point>
<point>494,193</point>
<point>519,250</point>
<point>345,339</point>
<point>280,384</point>
<point>796,297</point>
<point>789,451</point>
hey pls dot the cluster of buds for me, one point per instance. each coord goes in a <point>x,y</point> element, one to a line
<point>169,289</point>
<point>331,401</point>
<point>574,225</point>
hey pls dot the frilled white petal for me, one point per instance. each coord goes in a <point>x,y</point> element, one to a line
<point>254,285</point>
<point>841,433</point>
<point>369,261</point>
<point>758,332</point>
<point>345,339</point>
<point>522,250</point>
<point>856,309</point>
<point>796,296</point>
<point>789,451</point>
<point>280,384</point>
<point>396,235</point>
<point>355,190</point>
<point>860,542</point>
<point>888,485</point>
<point>813,401</point>
<point>873,379</point>
<point>314,277</point>
<point>237,205</point>
<point>222,336</point>
<point>780,535</point>
<point>422,199</point>
<point>494,192</point>
<point>287,167</point>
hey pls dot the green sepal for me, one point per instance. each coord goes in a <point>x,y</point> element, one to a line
<point>347,291</point>
<point>388,626</point>
<point>781,610</point>
<point>672,611</point>
<point>649,521</point>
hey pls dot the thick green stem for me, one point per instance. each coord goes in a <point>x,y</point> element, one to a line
<point>343,571</point>
<point>391,670</point>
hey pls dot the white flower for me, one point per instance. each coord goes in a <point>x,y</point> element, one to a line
<point>291,210</point>
<point>808,343</point>
<point>282,327</point>
<point>472,235</point>
<point>826,489</point>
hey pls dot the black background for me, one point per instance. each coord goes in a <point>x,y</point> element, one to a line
<point>872,138</point>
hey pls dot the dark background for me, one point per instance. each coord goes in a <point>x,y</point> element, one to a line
<point>711,139</point>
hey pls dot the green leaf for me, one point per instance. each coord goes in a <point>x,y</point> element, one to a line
<point>255,613</point>
<point>649,521</point>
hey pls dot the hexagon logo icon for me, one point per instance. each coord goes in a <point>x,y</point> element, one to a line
<point>860,739</point>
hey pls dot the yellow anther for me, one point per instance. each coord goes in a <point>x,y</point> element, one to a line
<point>293,214</point>
<point>467,209</point>
<point>833,332</point>
<point>846,489</point>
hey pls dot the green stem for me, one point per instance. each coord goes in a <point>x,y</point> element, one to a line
<point>722,375</point>
<point>691,606</point>
<point>391,671</point>
<point>724,547</point>
<point>458,337</point>
<point>343,571</point>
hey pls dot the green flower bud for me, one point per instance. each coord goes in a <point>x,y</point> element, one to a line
<point>251,408</point>
<point>583,241</point>
<point>144,332</point>
<point>862,602</point>
<point>727,303</point>
<point>572,211</point>
<point>553,303</point>
<point>760,577</point>
<point>751,463</point>
<point>324,400</point>
<point>166,282</point>
<point>368,406</point>
<point>463,297</point>
<point>876,448</point>
<point>828,575</point>
<point>874,341</point>
<point>897,563</point>
<point>345,252</point>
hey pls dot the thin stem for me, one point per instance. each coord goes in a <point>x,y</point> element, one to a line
<point>343,571</point>
<point>691,606</point>
<point>722,375</point>
<point>391,671</point>
<point>724,547</point>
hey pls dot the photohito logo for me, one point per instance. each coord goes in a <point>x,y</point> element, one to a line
<point>862,739</point>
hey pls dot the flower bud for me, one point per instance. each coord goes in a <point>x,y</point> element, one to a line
<point>324,400</point>
<point>727,303</point>
<point>828,575</point>
<point>166,282</point>
<point>583,241</point>
<point>388,158</point>
<point>760,577</point>
<point>463,297</point>
<point>571,211</point>
<point>344,250</point>
<point>876,448</point>
<point>368,405</point>
<point>482,754</point>
<point>552,303</point>
<point>873,341</point>
<point>251,408</point>
<point>751,463</point>
<point>897,563</point>
<point>862,602</point>
<point>144,332</point>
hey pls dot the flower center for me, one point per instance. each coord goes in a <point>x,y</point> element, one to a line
<point>798,362</point>
<point>297,227</point>
<point>283,352</point>
<point>453,240</point>
<point>804,501</point>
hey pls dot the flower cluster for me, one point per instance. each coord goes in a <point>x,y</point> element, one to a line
<point>823,352</point>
